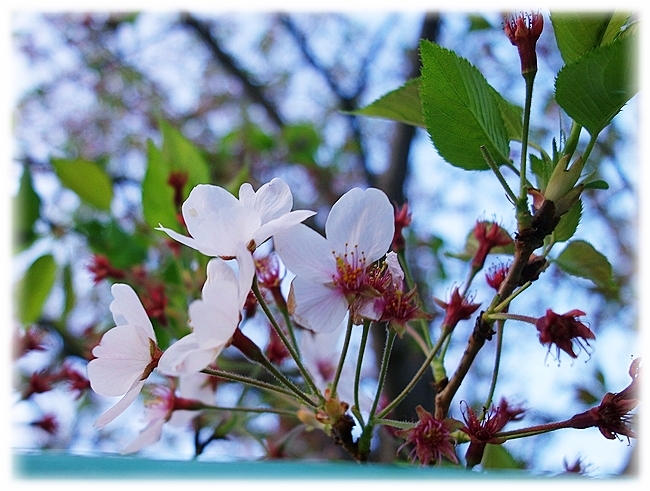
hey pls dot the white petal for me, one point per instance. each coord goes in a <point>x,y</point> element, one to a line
<point>151,434</point>
<point>203,212</point>
<point>395,269</point>
<point>273,200</point>
<point>362,218</point>
<point>127,309</point>
<point>306,253</point>
<point>218,270</point>
<point>246,273</point>
<point>121,405</point>
<point>121,357</point>
<point>214,323</point>
<point>187,356</point>
<point>318,307</point>
<point>279,224</point>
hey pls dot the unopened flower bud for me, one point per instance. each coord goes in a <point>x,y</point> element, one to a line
<point>524,30</point>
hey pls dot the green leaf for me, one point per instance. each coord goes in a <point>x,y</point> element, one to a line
<point>34,288</point>
<point>302,141</point>
<point>478,23</point>
<point>460,109</point>
<point>68,290</point>
<point>497,457</point>
<point>121,248</point>
<point>401,105</point>
<point>87,179</point>
<point>568,224</point>
<point>579,258</point>
<point>180,155</point>
<point>26,210</point>
<point>513,116</point>
<point>157,194</point>
<point>597,184</point>
<point>593,89</point>
<point>542,168</point>
<point>579,33</point>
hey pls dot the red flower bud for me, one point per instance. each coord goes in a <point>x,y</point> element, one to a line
<point>562,330</point>
<point>524,30</point>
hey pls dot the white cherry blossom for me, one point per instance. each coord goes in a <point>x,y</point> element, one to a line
<point>223,226</point>
<point>213,319</point>
<point>126,354</point>
<point>331,271</point>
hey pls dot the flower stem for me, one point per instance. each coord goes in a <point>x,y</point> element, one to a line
<point>258,410</point>
<point>414,380</point>
<point>234,377</point>
<point>410,284</point>
<point>495,371</point>
<point>495,168</point>
<point>290,347</point>
<point>344,352</point>
<point>357,376</point>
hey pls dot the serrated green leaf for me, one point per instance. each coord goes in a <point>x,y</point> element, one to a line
<point>26,210</point>
<point>512,115</point>
<point>460,110</point>
<point>580,258</point>
<point>401,105</point>
<point>568,224</point>
<point>87,179</point>
<point>579,33</point>
<point>34,288</point>
<point>593,89</point>
<point>497,457</point>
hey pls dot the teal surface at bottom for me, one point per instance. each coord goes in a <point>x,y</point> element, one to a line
<point>52,465</point>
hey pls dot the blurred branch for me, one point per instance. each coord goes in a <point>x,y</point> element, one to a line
<point>252,89</point>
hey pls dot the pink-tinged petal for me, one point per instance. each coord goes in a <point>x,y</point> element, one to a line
<point>151,434</point>
<point>279,224</point>
<point>127,309</point>
<point>395,269</point>
<point>273,200</point>
<point>187,356</point>
<point>362,218</point>
<point>121,357</point>
<point>306,253</point>
<point>318,307</point>
<point>121,405</point>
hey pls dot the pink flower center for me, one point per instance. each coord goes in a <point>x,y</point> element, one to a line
<point>350,274</point>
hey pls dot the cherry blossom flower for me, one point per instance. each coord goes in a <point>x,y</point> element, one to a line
<point>489,235</point>
<point>213,319</point>
<point>524,30</point>
<point>402,220</point>
<point>612,416</point>
<point>332,271</point>
<point>223,226</point>
<point>392,305</point>
<point>458,308</point>
<point>159,408</point>
<point>563,330</point>
<point>482,432</point>
<point>431,438</point>
<point>126,354</point>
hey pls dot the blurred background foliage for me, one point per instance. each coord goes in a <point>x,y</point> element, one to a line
<point>118,115</point>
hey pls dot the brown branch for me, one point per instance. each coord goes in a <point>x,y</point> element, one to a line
<point>253,90</point>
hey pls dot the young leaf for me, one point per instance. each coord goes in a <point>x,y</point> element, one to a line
<point>87,179</point>
<point>579,33</point>
<point>579,258</point>
<point>593,89</point>
<point>121,248</point>
<point>26,208</point>
<point>460,110</point>
<point>497,457</point>
<point>34,288</point>
<point>401,105</point>
<point>568,224</point>
<point>542,168</point>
